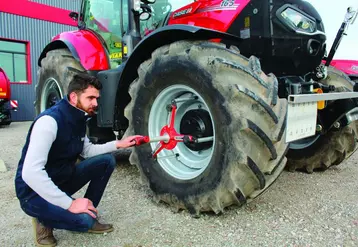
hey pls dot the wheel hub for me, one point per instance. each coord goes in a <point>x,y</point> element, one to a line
<point>51,94</point>
<point>197,123</point>
<point>173,137</point>
<point>52,99</point>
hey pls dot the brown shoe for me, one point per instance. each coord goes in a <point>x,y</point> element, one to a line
<point>43,235</point>
<point>100,228</point>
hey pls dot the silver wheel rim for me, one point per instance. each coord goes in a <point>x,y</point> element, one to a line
<point>50,94</point>
<point>181,162</point>
<point>304,143</point>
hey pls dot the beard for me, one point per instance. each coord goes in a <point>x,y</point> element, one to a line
<point>90,110</point>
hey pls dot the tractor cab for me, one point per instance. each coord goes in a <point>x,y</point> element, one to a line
<point>110,20</point>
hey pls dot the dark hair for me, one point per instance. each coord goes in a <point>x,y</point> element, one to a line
<point>80,82</point>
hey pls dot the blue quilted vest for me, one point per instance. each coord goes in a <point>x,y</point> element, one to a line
<point>65,150</point>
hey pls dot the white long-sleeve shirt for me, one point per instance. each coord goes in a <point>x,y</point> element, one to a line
<point>33,172</point>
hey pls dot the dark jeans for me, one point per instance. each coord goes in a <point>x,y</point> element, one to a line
<point>96,170</point>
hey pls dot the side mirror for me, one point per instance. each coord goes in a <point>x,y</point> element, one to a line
<point>146,12</point>
<point>144,16</point>
<point>149,1</point>
<point>74,15</point>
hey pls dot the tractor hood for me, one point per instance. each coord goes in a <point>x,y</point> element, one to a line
<point>350,67</point>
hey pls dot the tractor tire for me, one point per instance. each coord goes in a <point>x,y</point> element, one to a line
<point>332,148</point>
<point>236,103</point>
<point>56,71</point>
<point>54,76</point>
<point>5,114</point>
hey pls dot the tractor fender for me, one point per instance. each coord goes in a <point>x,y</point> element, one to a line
<point>163,36</point>
<point>85,47</point>
<point>160,37</point>
<point>5,89</point>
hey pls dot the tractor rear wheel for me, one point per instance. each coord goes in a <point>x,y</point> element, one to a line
<point>54,76</point>
<point>5,114</point>
<point>321,152</point>
<point>220,95</point>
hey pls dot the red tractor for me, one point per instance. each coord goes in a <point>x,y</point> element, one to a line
<point>5,96</point>
<point>349,67</point>
<point>228,92</point>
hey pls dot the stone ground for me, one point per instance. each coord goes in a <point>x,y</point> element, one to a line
<point>319,209</point>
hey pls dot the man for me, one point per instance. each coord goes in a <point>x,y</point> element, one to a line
<point>47,175</point>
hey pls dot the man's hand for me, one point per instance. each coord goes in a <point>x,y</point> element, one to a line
<point>127,142</point>
<point>83,205</point>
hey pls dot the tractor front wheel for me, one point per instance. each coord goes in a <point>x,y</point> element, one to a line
<point>320,152</point>
<point>224,100</point>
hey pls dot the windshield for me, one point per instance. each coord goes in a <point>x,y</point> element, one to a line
<point>104,17</point>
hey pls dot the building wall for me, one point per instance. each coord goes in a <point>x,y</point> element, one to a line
<point>73,5</point>
<point>39,34</point>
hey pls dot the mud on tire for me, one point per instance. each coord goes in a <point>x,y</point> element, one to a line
<point>334,147</point>
<point>249,123</point>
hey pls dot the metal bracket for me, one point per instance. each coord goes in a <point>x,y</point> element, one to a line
<point>302,98</point>
<point>302,113</point>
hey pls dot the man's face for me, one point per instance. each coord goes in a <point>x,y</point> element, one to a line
<point>87,101</point>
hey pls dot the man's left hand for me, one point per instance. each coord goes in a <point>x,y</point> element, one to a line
<point>127,142</point>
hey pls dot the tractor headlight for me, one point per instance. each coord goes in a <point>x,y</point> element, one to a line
<point>298,21</point>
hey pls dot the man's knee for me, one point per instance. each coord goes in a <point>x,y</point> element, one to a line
<point>110,160</point>
<point>84,222</point>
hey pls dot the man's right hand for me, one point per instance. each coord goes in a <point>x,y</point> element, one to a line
<point>127,142</point>
<point>83,205</point>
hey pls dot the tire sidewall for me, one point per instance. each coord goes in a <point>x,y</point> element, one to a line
<point>163,73</point>
<point>41,85</point>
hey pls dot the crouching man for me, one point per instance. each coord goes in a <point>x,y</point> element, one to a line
<point>47,175</point>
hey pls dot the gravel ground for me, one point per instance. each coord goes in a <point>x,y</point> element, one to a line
<point>319,209</point>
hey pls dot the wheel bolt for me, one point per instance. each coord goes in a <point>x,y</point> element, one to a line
<point>169,108</point>
<point>337,125</point>
<point>319,128</point>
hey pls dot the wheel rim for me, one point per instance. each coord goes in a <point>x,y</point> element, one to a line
<point>50,94</point>
<point>185,161</point>
<point>304,143</point>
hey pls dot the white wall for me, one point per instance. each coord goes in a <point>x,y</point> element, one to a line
<point>332,13</point>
